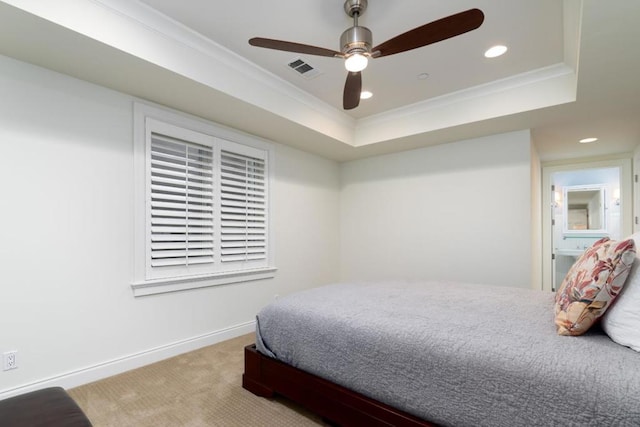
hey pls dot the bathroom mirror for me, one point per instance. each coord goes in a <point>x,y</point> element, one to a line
<point>584,210</point>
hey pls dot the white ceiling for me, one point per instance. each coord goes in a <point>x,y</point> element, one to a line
<point>570,72</point>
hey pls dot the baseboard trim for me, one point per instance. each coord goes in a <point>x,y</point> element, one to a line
<point>116,366</point>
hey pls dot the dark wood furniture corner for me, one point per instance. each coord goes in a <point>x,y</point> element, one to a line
<point>49,407</point>
<point>266,377</point>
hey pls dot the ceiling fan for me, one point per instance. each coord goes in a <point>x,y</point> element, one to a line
<point>356,43</point>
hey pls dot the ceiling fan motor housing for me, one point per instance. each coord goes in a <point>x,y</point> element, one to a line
<point>356,40</point>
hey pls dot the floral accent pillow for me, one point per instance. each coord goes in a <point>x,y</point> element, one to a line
<point>591,284</point>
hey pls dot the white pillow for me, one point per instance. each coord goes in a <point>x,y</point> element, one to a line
<point>621,321</point>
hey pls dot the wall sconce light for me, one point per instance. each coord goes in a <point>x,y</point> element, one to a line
<point>616,197</point>
<point>557,199</point>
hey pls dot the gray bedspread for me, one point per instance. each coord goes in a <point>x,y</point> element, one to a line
<point>455,354</point>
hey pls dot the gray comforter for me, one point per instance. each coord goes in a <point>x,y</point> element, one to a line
<point>455,354</point>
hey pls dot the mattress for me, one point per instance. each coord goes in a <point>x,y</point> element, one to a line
<point>455,354</point>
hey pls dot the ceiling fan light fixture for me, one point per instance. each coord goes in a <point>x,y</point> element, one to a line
<point>356,43</point>
<point>356,62</point>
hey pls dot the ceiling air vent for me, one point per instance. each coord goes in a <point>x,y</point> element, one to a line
<point>303,68</point>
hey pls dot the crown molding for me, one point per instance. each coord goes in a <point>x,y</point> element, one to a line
<point>544,87</point>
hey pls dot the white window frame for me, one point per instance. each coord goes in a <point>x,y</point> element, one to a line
<point>148,280</point>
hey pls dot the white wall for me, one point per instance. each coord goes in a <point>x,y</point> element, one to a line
<point>458,211</point>
<point>66,240</point>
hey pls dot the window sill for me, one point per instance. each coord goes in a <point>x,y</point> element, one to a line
<point>161,286</point>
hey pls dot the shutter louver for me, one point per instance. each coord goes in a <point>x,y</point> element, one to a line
<point>243,208</point>
<point>181,205</point>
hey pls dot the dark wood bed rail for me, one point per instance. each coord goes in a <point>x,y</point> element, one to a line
<point>266,377</point>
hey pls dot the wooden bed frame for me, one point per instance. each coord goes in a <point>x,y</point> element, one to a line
<point>266,377</point>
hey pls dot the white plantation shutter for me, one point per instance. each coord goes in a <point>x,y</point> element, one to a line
<point>201,204</point>
<point>206,205</point>
<point>181,203</point>
<point>243,206</point>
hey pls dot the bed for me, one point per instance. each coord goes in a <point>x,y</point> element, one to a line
<point>433,353</point>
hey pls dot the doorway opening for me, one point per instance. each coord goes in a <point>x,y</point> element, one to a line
<point>582,204</point>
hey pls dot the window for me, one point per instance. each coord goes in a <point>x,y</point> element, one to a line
<point>202,204</point>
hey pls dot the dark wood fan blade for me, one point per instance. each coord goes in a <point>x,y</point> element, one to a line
<point>432,32</point>
<point>293,47</point>
<point>352,89</point>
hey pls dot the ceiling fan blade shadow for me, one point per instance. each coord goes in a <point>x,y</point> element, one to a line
<point>352,89</point>
<point>293,47</point>
<point>432,32</point>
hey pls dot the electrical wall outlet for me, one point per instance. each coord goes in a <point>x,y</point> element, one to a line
<point>9,360</point>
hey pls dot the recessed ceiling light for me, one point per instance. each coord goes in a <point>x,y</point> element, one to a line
<point>365,94</point>
<point>423,76</point>
<point>495,51</point>
<point>588,140</point>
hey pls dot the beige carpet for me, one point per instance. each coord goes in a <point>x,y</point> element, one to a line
<point>200,388</point>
